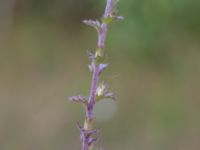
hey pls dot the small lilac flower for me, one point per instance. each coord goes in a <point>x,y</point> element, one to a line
<point>102,67</point>
<point>87,135</point>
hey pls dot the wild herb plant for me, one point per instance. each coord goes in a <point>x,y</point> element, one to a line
<point>98,90</point>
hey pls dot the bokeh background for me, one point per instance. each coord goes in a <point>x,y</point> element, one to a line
<point>154,57</point>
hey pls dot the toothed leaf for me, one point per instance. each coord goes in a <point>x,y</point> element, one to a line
<point>95,24</point>
<point>78,99</point>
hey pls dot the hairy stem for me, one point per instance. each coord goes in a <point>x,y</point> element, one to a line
<point>95,77</point>
<point>97,91</point>
<point>91,102</point>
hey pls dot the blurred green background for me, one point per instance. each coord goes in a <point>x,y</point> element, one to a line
<point>154,57</point>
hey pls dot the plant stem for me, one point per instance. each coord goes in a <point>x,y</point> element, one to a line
<point>91,101</point>
<point>95,77</point>
<point>97,92</point>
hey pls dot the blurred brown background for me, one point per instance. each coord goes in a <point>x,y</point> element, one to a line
<point>154,57</point>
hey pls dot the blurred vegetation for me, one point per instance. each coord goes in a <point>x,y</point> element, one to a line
<point>154,69</point>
